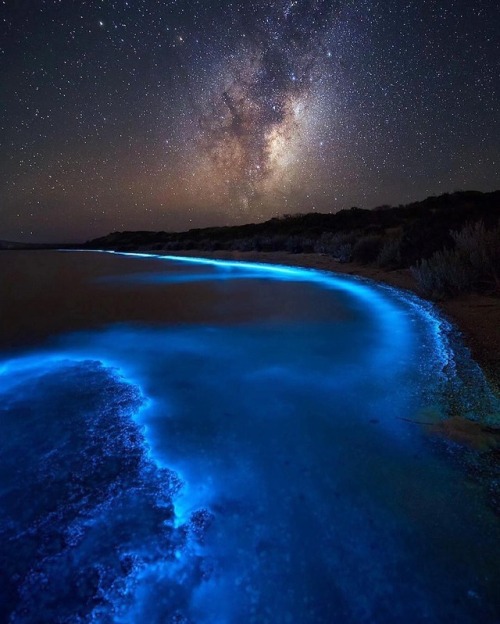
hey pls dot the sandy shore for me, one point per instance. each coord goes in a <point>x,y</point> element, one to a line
<point>476,316</point>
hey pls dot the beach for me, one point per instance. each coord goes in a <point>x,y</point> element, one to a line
<point>212,431</point>
<point>477,317</point>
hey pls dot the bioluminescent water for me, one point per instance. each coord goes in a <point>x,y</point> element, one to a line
<point>198,441</point>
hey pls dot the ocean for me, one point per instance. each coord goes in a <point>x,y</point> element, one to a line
<point>201,441</point>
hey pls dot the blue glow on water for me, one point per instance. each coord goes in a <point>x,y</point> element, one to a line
<point>376,296</point>
<point>392,323</point>
<point>247,472</point>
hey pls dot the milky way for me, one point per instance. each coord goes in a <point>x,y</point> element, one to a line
<point>168,115</point>
<point>258,114</point>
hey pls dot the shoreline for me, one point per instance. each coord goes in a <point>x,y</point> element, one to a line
<point>476,317</point>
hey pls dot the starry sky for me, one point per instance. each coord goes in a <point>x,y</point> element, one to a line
<point>167,115</point>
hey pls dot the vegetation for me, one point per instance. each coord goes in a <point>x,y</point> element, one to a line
<point>472,263</point>
<point>450,242</point>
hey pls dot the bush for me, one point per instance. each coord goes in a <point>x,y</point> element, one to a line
<point>443,274</point>
<point>344,253</point>
<point>480,246</point>
<point>473,264</point>
<point>337,245</point>
<point>390,253</point>
<point>272,243</point>
<point>299,244</point>
<point>243,244</point>
<point>367,249</point>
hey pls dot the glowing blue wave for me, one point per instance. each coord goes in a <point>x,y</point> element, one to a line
<point>386,303</point>
<point>292,460</point>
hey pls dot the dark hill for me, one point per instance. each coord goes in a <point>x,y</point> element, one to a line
<point>420,229</point>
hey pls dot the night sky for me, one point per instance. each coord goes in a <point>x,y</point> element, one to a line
<point>144,114</point>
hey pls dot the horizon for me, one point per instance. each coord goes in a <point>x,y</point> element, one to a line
<point>204,116</point>
<point>279,216</point>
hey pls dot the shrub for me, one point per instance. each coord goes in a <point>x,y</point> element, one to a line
<point>344,253</point>
<point>299,244</point>
<point>390,253</point>
<point>480,246</point>
<point>244,244</point>
<point>337,245</point>
<point>272,243</point>
<point>471,265</point>
<point>443,274</point>
<point>367,248</point>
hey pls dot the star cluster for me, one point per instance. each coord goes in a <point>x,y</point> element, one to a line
<point>149,114</point>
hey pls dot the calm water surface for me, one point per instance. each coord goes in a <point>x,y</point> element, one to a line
<point>206,442</point>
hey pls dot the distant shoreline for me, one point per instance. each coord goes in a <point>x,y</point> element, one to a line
<point>477,317</point>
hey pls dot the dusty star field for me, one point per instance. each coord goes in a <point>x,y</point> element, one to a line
<point>137,114</point>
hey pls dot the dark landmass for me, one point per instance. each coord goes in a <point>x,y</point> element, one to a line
<point>451,242</point>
